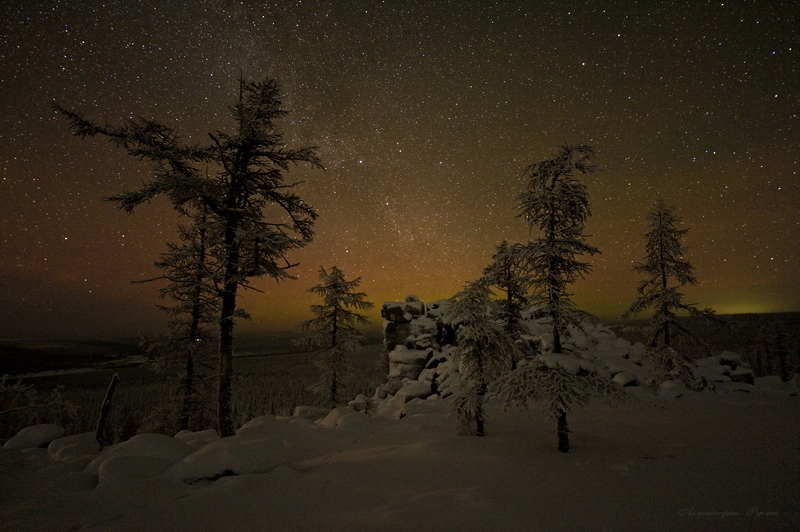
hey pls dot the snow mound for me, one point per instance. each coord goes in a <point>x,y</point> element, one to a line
<point>123,471</point>
<point>197,439</point>
<point>152,445</point>
<point>256,426</point>
<point>72,447</point>
<point>35,436</point>
<point>230,456</point>
<point>332,419</point>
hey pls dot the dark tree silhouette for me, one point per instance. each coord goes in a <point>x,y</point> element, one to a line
<point>247,177</point>
<point>189,269</point>
<point>663,265</point>
<point>333,333</point>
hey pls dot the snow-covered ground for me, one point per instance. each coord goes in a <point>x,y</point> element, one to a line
<point>728,460</point>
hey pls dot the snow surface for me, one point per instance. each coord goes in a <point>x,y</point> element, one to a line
<point>706,461</point>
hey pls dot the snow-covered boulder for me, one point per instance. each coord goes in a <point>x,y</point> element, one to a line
<point>230,456</point>
<point>729,358</point>
<point>437,309</point>
<point>671,389</point>
<point>773,385</point>
<point>414,390</point>
<point>392,408</point>
<point>407,363</point>
<point>615,363</point>
<point>153,445</point>
<point>734,387</point>
<point>334,415</point>
<point>402,312</point>
<point>743,375</point>
<point>723,368</point>
<point>626,378</point>
<point>72,447</point>
<point>35,436</point>
<point>423,331</point>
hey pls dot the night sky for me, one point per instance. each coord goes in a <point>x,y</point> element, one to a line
<point>425,114</point>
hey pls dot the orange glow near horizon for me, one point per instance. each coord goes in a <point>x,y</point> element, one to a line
<point>425,117</point>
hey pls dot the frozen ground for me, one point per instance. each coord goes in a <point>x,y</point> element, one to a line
<point>705,461</point>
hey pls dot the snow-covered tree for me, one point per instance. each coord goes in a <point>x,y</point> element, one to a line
<point>666,270</point>
<point>509,271</point>
<point>334,333</point>
<point>562,382</point>
<point>236,178</point>
<point>484,350</point>
<point>557,205</point>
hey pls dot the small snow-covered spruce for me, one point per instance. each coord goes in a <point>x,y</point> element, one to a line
<point>333,332</point>
<point>562,382</point>
<point>663,264</point>
<point>237,178</point>
<point>510,273</point>
<point>557,205</point>
<point>484,351</point>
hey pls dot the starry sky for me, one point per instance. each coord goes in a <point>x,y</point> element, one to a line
<point>425,114</point>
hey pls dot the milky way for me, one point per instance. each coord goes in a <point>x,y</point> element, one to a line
<point>425,114</point>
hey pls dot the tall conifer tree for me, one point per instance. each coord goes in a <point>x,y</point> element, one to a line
<point>557,205</point>
<point>334,333</point>
<point>247,177</point>
<point>666,270</point>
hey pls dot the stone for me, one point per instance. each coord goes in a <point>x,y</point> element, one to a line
<point>626,378</point>
<point>415,390</point>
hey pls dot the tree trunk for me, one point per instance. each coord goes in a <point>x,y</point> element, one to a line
<point>228,311</point>
<point>188,382</point>
<point>194,327</point>
<point>104,409</point>
<point>563,432</point>
<point>479,418</point>
<point>224,389</point>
